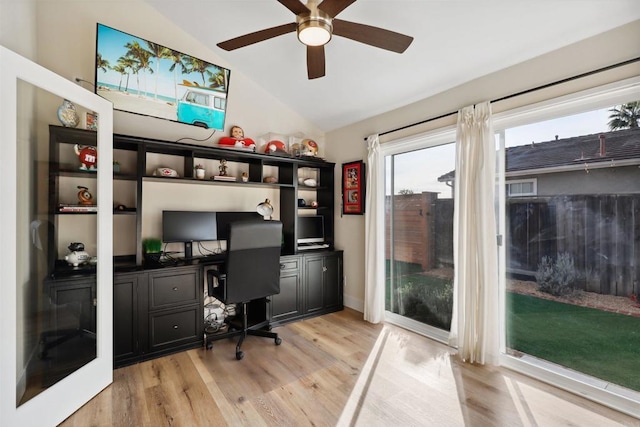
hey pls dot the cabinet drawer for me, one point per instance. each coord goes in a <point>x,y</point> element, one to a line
<point>289,264</point>
<point>172,328</point>
<point>170,289</point>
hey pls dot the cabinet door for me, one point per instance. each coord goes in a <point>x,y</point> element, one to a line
<point>288,303</point>
<point>314,283</point>
<point>126,342</point>
<point>76,297</point>
<point>333,281</point>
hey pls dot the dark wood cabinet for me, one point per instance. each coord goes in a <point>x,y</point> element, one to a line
<point>323,282</point>
<point>128,304</point>
<point>288,303</point>
<point>314,283</point>
<point>175,309</point>
<point>332,281</point>
<point>310,285</point>
<point>72,298</point>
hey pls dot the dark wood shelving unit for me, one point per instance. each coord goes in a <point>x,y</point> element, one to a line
<point>160,309</point>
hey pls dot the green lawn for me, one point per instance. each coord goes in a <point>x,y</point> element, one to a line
<point>598,343</point>
<point>422,297</point>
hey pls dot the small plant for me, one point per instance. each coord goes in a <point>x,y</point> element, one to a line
<point>152,245</point>
<point>557,278</point>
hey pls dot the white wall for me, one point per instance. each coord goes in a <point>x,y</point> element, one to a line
<point>347,144</point>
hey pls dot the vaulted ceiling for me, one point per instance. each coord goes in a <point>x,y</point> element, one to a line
<point>455,41</point>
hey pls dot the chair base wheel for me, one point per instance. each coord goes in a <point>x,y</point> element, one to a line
<point>209,345</point>
<point>278,341</point>
<point>239,355</point>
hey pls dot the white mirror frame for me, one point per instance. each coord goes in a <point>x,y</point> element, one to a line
<point>62,399</point>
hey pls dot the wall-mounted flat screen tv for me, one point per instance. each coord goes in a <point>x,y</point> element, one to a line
<point>143,77</point>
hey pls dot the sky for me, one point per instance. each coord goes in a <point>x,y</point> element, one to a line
<point>419,170</point>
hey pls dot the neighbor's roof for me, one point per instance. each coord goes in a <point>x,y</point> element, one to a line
<point>578,150</point>
<point>618,145</point>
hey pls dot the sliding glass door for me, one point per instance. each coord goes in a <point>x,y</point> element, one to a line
<point>419,237</point>
<point>572,246</point>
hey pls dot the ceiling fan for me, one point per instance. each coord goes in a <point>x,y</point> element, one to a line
<point>315,24</point>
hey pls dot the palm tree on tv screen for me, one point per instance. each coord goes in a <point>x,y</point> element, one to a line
<point>142,58</point>
<point>178,62</point>
<point>218,79</point>
<point>625,116</point>
<point>128,64</point>
<point>120,69</point>
<point>198,66</point>
<point>159,52</point>
<point>102,63</point>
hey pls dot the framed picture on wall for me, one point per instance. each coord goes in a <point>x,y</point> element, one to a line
<point>353,188</point>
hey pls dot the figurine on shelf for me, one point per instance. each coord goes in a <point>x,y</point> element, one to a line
<point>200,172</point>
<point>223,167</point>
<point>77,254</point>
<point>275,147</point>
<point>67,114</point>
<point>237,139</point>
<point>88,156</point>
<point>84,196</point>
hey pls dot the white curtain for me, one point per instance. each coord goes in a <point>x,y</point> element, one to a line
<point>475,323</point>
<point>374,235</point>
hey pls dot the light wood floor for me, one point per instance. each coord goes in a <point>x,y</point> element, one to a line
<point>333,370</point>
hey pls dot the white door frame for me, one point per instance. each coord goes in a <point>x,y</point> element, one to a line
<point>62,399</point>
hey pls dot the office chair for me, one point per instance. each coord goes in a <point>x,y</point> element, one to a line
<point>252,271</point>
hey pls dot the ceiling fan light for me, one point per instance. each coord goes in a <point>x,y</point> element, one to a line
<point>314,32</point>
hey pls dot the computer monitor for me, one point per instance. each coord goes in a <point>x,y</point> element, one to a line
<point>226,218</point>
<point>188,227</point>
<point>311,229</point>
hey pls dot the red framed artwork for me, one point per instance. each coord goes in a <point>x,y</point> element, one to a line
<point>353,188</point>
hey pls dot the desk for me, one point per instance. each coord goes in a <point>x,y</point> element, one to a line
<point>152,319</point>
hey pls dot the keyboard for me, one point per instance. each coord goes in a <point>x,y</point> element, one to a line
<point>212,258</point>
<point>310,246</point>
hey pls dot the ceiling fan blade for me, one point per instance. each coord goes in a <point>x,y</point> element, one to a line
<point>294,6</point>
<point>334,7</point>
<point>315,62</point>
<point>258,36</point>
<point>373,36</point>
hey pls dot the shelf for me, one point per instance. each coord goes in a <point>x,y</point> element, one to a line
<point>214,182</point>
<point>75,173</point>
<point>125,177</point>
<point>128,211</point>
<point>139,157</point>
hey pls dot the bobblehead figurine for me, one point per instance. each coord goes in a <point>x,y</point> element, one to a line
<point>237,139</point>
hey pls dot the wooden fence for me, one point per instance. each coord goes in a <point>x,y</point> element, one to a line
<point>423,229</point>
<point>600,232</point>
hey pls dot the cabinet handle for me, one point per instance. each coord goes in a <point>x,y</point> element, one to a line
<point>175,326</point>
<point>324,269</point>
<point>95,302</point>
<point>175,289</point>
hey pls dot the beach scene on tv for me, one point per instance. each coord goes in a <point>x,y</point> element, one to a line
<point>146,78</point>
